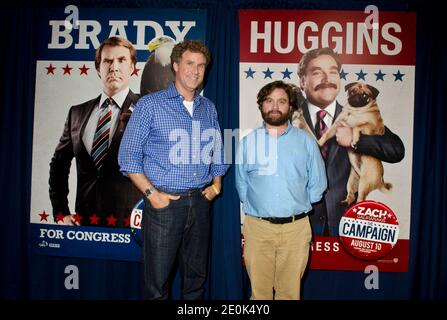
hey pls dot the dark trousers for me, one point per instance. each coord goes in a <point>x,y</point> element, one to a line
<point>179,231</point>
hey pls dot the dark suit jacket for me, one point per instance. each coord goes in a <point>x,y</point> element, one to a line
<point>328,211</point>
<point>105,192</point>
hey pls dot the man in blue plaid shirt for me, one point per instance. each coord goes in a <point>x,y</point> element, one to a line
<point>172,151</point>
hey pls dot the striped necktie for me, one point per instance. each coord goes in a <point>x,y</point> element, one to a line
<point>101,138</point>
<point>321,128</point>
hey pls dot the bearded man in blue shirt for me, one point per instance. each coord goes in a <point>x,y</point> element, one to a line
<point>172,151</point>
<point>277,193</point>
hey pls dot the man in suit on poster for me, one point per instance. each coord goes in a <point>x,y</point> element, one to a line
<point>319,73</point>
<point>92,134</point>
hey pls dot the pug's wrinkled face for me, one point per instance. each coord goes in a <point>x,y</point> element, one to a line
<point>360,94</point>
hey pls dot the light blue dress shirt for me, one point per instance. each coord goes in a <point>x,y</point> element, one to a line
<point>279,176</point>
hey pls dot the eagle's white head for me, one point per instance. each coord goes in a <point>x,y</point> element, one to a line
<point>163,48</point>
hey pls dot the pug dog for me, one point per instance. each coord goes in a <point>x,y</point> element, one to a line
<point>362,114</point>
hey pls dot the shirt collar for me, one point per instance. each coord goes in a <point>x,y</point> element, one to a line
<point>289,127</point>
<point>118,98</point>
<point>173,93</point>
<point>313,109</point>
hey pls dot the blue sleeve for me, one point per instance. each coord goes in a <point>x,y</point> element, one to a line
<point>241,173</point>
<point>218,166</point>
<point>317,172</point>
<point>130,155</point>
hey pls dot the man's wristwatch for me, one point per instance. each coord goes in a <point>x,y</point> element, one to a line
<point>148,192</point>
<point>354,145</point>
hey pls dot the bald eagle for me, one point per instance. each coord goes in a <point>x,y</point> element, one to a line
<point>157,73</point>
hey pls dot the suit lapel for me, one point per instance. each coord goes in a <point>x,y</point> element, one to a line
<point>88,112</point>
<point>333,145</point>
<point>131,99</point>
<point>83,119</point>
<point>308,119</point>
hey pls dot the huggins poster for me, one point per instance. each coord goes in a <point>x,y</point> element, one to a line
<point>66,175</point>
<point>375,61</point>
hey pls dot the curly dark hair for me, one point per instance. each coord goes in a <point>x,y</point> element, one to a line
<point>288,88</point>
<point>191,45</point>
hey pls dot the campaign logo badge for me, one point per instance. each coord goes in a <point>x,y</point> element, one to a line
<point>369,230</point>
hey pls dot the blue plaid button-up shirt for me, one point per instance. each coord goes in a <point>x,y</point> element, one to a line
<point>175,151</point>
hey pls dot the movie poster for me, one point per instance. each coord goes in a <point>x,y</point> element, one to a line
<point>377,50</point>
<point>66,76</point>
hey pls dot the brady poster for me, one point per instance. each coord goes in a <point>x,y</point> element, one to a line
<point>377,50</point>
<point>66,76</point>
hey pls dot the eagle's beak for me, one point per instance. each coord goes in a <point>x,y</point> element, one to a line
<point>153,44</point>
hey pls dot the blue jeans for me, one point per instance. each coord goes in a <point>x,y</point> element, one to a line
<point>179,231</point>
